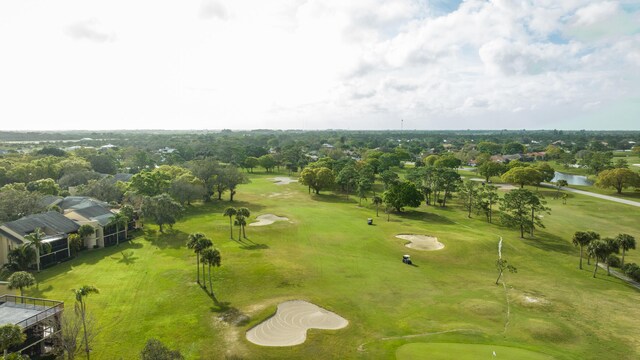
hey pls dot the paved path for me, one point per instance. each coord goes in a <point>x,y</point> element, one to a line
<point>621,276</point>
<point>587,193</point>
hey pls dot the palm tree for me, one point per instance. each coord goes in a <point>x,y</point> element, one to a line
<point>245,214</point>
<point>119,219</point>
<point>582,239</point>
<point>598,250</point>
<point>85,231</point>
<point>211,257</point>
<point>377,200</point>
<point>81,309</point>
<point>20,258</point>
<point>626,242</point>
<point>35,240</point>
<point>230,212</point>
<point>197,242</point>
<point>21,280</point>
<point>612,247</point>
<point>240,222</point>
<point>594,236</point>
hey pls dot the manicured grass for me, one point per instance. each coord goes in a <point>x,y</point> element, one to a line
<point>329,256</point>
<point>446,351</point>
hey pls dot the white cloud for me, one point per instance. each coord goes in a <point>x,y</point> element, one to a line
<point>316,64</point>
<point>90,30</point>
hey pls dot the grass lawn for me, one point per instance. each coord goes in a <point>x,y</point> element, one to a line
<point>328,255</point>
<point>440,351</point>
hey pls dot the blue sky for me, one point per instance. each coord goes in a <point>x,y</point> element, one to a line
<point>317,64</point>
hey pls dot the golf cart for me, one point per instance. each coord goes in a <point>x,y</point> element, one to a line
<point>406,259</point>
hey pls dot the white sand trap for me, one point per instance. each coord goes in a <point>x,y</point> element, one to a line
<point>267,219</point>
<point>289,325</point>
<point>422,242</point>
<point>283,180</point>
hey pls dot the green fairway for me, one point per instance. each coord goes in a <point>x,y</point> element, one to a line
<point>328,255</point>
<point>440,351</point>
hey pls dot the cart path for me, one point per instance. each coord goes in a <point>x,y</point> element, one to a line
<point>621,276</point>
<point>600,196</point>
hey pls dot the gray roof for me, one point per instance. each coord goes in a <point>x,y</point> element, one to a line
<point>122,177</point>
<point>96,212</point>
<point>50,222</point>
<point>49,200</point>
<point>79,202</point>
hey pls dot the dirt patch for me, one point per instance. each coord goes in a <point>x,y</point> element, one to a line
<point>421,242</point>
<point>267,219</point>
<point>283,180</point>
<point>289,325</point>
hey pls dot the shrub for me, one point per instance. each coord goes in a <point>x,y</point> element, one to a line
<point>614,261</point>
<point>629,268</point>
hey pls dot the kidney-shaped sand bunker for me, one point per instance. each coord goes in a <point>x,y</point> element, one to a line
<point>290,323</point>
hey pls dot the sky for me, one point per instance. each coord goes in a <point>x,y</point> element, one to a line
<point>319,64</point>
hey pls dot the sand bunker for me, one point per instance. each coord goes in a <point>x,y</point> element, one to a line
<point>421,242</point>
<point>289,325</point>
<point>284,180</point>
<point>267,219</point>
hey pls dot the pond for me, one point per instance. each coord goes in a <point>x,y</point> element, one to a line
<point>572,179</point>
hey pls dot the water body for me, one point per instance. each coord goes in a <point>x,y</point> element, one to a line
<point>572,179</point>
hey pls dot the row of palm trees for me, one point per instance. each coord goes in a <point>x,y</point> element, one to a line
<point>206,254</point>
<point>241,214</point>
<point>601,249</point>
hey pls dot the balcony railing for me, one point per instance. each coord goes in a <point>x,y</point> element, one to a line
<point>47,308</point>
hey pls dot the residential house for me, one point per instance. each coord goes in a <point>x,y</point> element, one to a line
<point>56,227</point>
<point>84,210</point>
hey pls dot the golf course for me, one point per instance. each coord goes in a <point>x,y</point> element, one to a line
<point>325,254</point>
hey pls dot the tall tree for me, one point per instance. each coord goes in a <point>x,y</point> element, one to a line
<point>402,194</point>
<point>618,179</point>
<point>626,243</point>
<point>10,335</point>
<point>230,212</point>
<point>36,240</point>
<point>317,178</point>
<point>581,239</point>
<point>119,220</point>
<point>211,257</point>
<point>537,205</point>
<point>469,194</point>
<point>21,280</point>
<point>245,215</point>
<point>377,200</point>
<point>487,197</point>
<point>198,242</point>
<point>523,175</point>
<point>81,310</point>
<point>518,209</point>
<point>491,168</point>
<point>267,162</point>
<point>162,209</point>
<point>347,177</point>
<point>599,251</point>
<point>612,247</point>
<point>233,177</point>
